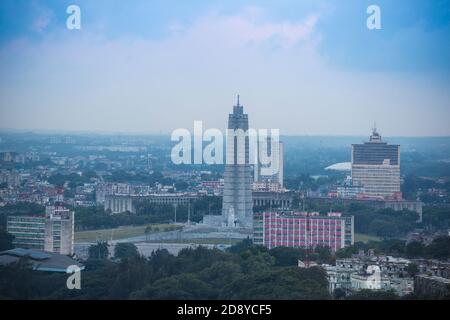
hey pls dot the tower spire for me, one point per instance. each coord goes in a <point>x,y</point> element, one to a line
<point>238,101</point>
<point>375,137</point>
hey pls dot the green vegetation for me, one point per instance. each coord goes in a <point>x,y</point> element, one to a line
<point>360,237</point>
<point>92,218</point>
<point>385,223</point>
<point>122,232</point>
<point>99,251</point>
<point>412,269</point>
<point>245,272</point>
<point>20,208</point>
<point>72,179</point>
<point>200,241</point>
<point>439,248</point>
<point>5,240</point>
<point>437,218</point>
<point>141,177</point>
<point>125,251</point>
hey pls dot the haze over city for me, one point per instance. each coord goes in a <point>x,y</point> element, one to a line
<point>309,68</point>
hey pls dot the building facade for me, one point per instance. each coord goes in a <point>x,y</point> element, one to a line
<point>118,203</point>
<point>303,230</point>
<point>376,167</point>
<point>272,199</point>
<point>53,232</point>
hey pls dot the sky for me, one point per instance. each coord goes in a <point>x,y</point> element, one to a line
<point>308,67</point>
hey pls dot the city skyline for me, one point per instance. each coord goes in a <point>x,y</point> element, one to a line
<point>154,68</point>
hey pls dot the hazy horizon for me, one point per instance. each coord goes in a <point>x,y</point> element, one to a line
<point>162,133</point>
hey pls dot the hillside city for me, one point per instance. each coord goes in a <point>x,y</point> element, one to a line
<point>342,218</point>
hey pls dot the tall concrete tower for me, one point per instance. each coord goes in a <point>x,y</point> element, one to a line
<point>237,205</point>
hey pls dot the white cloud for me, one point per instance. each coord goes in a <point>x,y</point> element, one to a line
<point>85,81</point>
<point>251,27</point>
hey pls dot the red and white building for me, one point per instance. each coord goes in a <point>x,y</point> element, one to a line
<point>303,230</point>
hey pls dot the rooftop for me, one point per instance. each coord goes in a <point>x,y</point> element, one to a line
<point>40,260</point>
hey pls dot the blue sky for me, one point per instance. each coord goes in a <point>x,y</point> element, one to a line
<point>305,67</point>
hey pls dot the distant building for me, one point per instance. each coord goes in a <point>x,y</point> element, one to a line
<point>118,203</point>
<point>53,232</point>
<point>104,189</point>
<point>303,230</point>
<point>376,167</point>
<point>273,199</point>
<point>436,287</point>
<point>40,260</point>
<point>349,191</point>
<point>370,279</point>
<point>396,205</point>
<point>11,178</point>
<point>273,172</point>
<point>341,166</point>
<point>267,186</point>
<point>306,264</point>
<point>370,272</point>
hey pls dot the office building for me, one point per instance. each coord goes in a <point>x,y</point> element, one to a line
<point>53,232</point>
<point>376,167</point>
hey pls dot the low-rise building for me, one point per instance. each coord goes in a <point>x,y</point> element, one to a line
<point>370,272</point>
<point>432,286</point>
<point>40,260</point>
<point>118,203</point>
<point>52,232</point>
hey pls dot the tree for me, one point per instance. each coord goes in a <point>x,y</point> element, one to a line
<point>5,240</point>
<point>414,249</point>
<point>323,255</point>
<point>132,275</point>
<point>147,231</point>
<point>280,283</point>
<point>184,286</point>
<point>339,294</point>
<point>241,246</point>
<point>99,250</point>
<point>125,250</point>
<point>439,248</point>
<point>181,185</point>
<point>412,269</point>
<point>285,256</point>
